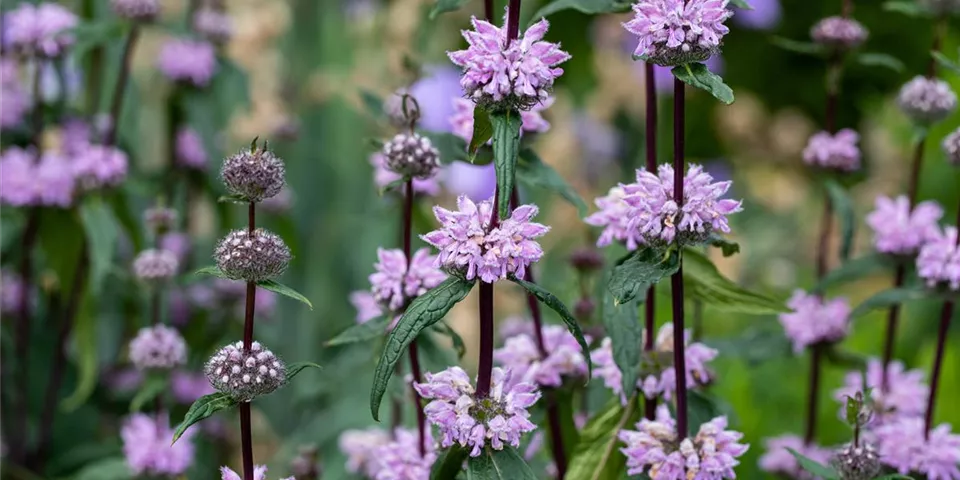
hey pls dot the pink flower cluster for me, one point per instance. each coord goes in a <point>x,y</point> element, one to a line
<point>147,448</point>
<point>779,460</point>
<point>499,419</point>
<point>653,449</point>
<point>615,218</point>
<point>23,183</point>
<point>470,248</point>
<point>373,454</point>
<point>360,446</point>
<point>814,320</point>
<point>905,395</point>
<point>522,358</point>
<point>939,260</point>
<point>395,283</point>
<point>16,101</point>
<point>190,150</point>
<point>898,230</point>
<point>41,29</point>
<point>834,152</point>
<point>259,473</point>
<point>462,119</point>
<point>904,446</point>
<point>674,32</point>
<point>99,166</point>
<point>508,74</point>
<point>839,32</point>
<point>190,61</point>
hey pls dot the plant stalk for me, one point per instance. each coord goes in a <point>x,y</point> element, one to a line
<point>649,324</point>
<point>676,281</point>
<point>246,433</point>
<point>116,105</point>
<point>485,369</point>
<point>412,349</point>
<point>945,316</point>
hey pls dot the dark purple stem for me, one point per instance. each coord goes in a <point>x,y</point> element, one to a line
<point>676,281</point>
<point>488,10</point>
<point>246,433</point>
<point>116,104</point>
<point>414,356</point>
<point>650,88</point>
<point>816,354</point>
<point>513,20</point>
<point>945,316</point>
<point>485,368</point>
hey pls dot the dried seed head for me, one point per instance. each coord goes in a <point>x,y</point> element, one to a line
<point>155,265</point>
<point>137,10</point>
<point>160,220</point>
<point>412,155</point>
<point>857,463</point>
<point>252,257</point>
<point>951,147</point>
<point>245,375</point>
<point>158,346</point>
<point>253,175</point>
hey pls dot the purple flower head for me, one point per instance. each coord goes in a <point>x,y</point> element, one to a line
<point>99,166</point>
<point>906,394</point>
<point>506,75</point>
<point>834,152</point>
<point>155,265</point>
<point>857,462</point>
<point>514,325</point>
<point>383,176</point>
<point>814,320</point>
<point>927,100</point>
<point>564,358</point>
<point>75,135</point>
<point>190,150</point>
<point>42,30</point>
<point>259,473</point>
<point>473,422</point>
<point>400,459</point>
<point>16,100</point>
<point>951,147</point>
<point>471,249</point>
<point>253,174</point>
<point>394,284</point>
<point>653,449</point>
<point>146,445</point>
<point>187,387</point>
<point>159,347</point>
<point>615,218</point>
<point>411,155</point>
<point>654,213</point>
<point>532,120</point>
<point>213,24</point>
<point>839,33</point>
<point>47,183</point>
<point>360,446</point>
<point>903,446</point>
<point>138,10</point>
<point>245,375</point>
<point>366,304</point>
<point>188,61</point>
<point>779,460</point>
<point>939,260</point>
<point>477,182</point>
<point>674,32</point>
<point>899,231</point>
<point>252,257</point>
<point>11,291</point>
<point>765,15</point>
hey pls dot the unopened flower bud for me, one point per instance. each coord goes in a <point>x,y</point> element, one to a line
<point>252,257</point>
<point>160,219</point>
<point>927,100</point>
<point>137,10</point>
<point>586,259</point>
<point>159,347</point>
<point>155,265</point>
<point>584,308</point>
<point>412,155</point>
<point>839,33</point>
<point>245,374</point>
<point>951,147</point>
<point>857,463</point>
<point>253,175</point>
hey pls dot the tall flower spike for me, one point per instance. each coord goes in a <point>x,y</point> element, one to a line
<point>394,283</point>
<point>43,30</point>
<point>564,358</point>
<point>839,33</point>
<point>675,32</point>
<point>468,249</point>
<point>833,151</point>
<point>252,257</point>
<point>472,422</point>
<point>188,61</point>
<point>814,320</point>
<point>927,100</point>
<point>412,155</point>
<point>245,375</point>
<point>158,347</point>
<point>898,230</point>
<point>904,396</point>
<point>499,76</point>
<point>254,174</point>
<point>939,260</point>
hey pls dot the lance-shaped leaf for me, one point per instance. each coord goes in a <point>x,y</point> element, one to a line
<point>598,457</point>
<point>294,368</point>
<point>843,206</point>
<point>361,332</point>
<point>818,469</point>
<point>449,463</point>
<point>531,171</point>
<point>506,148</point>
<point>698,75</point>
<point>204,407</point>
<point>482,131</point>
<point>891,297</point>
<point>741,4</point>
<point>946,62</point>
<point>806,48</point>
<point>908,8</point>
<point>590,7</point>
<point>102,231</point>
<point>855,269</point>
<point>455,338</point>
<point>556,305</point>
<point>422,313</point>
<point>639,270</point>
<point>272,285</point>
<point>874,59</point>
<point>503,464</point>
<point>704,282</point>
<point>727,247</point>
<point>444,6</point>
<point>626,336</point>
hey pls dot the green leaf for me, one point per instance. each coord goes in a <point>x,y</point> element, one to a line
<point>741,4</point>
<point>531,171</point>
<point>854,269</point>
<point>232,198</point>
<point>294,368</point>
<point>590,7</point>
<point>705,282</point>
<point>102,231</point>
<point>815,467</point>
<point>843,206</point>
<point>727,247</point>
<point>455,338</point>
<point>394,185</point>
<point>449,463</point>
<point>874,59</point>
<point>907,7</point>
<point>565,410</point>
<point>556,305</point>
<point>423,312</point>
<point>625,330</point>
<point>210,271</point>
<point>697,75</point>
<point>204,407</point>
<point>891,297</point>
<point>506,147</point>
<point>153,386</point>
<point>373,103</point>
<point>597,457</point>
<point>114,468</point>
<point>894,476</point>
<point>444,6</point>
<point>806,48</point>
<point>62,239</point>
<point>946,62</point>
<point>639,270</point>
<point>700,409</point>
<point>86,346</point>
<point>277,287</point>
<point>503,464</point>
<point>361,332</point>
<point>482,131</point>
<point>92,34</point>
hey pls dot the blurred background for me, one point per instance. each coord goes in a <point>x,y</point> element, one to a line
<point>305,75</point>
